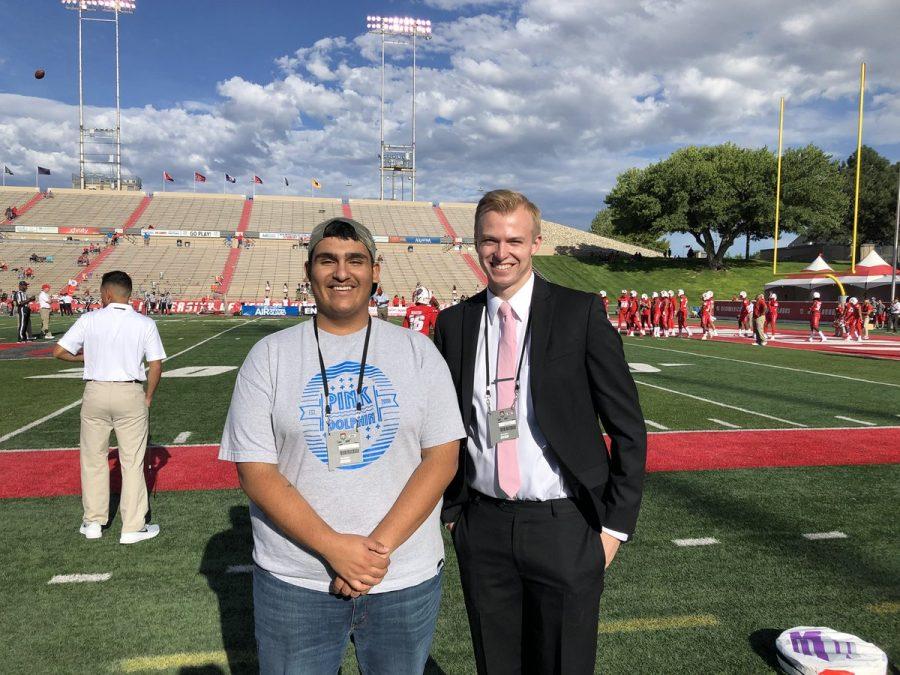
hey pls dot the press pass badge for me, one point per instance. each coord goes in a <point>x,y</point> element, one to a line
<point>344,449</point>
<point>502,426</point>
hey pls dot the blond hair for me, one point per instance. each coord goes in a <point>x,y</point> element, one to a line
<point>506,201</point>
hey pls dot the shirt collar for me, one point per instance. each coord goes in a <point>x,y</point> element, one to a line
<point>120,305</point>
<point>520,302</point>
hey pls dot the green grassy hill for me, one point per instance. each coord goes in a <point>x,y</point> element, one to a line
<point>650,274</point>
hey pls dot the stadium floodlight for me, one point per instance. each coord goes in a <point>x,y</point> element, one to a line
<point>116,7</point>
<point>404,30</point>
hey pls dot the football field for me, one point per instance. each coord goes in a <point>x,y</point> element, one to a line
<point>773,474</point>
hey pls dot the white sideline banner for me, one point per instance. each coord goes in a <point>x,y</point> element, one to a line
<point>212,234</point>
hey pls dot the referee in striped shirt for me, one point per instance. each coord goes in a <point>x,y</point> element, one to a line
<point>23,311</point>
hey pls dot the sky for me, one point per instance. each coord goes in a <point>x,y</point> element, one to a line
<point>551,97</point>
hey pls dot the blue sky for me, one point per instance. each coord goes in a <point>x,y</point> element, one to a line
<point>553,97</point>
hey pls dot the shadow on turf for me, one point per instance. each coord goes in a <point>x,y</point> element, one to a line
<point>763,643</point>
<point>234,593</point>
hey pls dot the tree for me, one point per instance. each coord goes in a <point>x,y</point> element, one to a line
<point>719,193</point>
<point>603,225</point>
<point>877,197</point>
<point>812,197</point>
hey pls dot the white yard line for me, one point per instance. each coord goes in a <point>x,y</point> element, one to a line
<point>701,541</point>
<point>764,365</point>
<point>850,419</point>
<point>656,425</point>
<point>79,578</point>
<point>723,423</point>
<point>722,405</point>
<point>182,437</point>
<point>57,413</point>
<point>824,535</point>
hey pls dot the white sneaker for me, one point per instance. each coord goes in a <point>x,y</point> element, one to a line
<point>91,530</point>
<point>147,532</point>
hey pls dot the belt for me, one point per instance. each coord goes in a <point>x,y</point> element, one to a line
<point>118,381</point>
<point>555,506</point>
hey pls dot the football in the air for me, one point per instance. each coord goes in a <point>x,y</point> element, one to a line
<point>39,74</point>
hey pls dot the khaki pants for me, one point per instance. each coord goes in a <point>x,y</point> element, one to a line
<point>45,320</point>
<point>383,313</point>
<point>759,329</point>
<point>122,407</point>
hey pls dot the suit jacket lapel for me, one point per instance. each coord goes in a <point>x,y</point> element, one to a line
<point>541,320</point>
<point>473,310</point>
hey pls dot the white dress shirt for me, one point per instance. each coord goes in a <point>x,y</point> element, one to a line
<point>541,477</point>
<point>116,340</point>
<point>44,300</point>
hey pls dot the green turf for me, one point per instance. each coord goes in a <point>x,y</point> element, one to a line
<point>793,385</point>
<point>645,276</point>
<point>170,595</point>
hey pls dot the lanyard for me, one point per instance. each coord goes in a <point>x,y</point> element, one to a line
<point>487,363</point>
<point>362,370</point>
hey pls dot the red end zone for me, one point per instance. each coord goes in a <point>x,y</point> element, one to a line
<point>47,473</point>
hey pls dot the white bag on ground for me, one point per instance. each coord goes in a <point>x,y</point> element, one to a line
<point>807,650</point>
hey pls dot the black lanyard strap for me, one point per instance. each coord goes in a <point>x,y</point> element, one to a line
<point>362,367</point>
<point>487,362</point>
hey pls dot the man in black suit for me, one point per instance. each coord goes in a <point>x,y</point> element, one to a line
<point>538,507</point>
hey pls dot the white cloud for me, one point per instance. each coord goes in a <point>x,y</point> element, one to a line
<point>554,98</point>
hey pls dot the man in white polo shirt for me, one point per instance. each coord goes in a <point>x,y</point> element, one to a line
<point>113,342</point>
<point>44,305</point>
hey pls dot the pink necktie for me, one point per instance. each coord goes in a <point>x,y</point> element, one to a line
<point>507,452</point>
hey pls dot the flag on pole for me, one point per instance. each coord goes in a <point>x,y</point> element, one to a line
<point>257,180</point>
<point>167,177</point>
<point>7,170</point>
<point>286,184</point>
<point>230,179</point>
<point>43,171</point>
<point>199,177</point>
<point>316,184</point>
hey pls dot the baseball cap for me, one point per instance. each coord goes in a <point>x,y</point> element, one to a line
<point>47,286</point>
<point>362,233</point>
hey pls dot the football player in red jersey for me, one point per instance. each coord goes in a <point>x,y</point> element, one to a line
<point>815,315</point>
<point>744,316</point>
<point>605,302</point>
<point>645,313</point>
<point>853,320</point>
<point>670,317</point>
<point>421,315</point>
<point>633,315</point>
<point>664,313</point>
<point>683,312</point>
<point>623,309</point>
<point>771,315</point>
<point>655,312</point>
<point>706,314</point>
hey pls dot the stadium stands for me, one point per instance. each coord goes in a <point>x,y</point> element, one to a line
<point>15,253</point>
<point>188,272</point>
<point>399,219</point>
<point>461,218</point>
<point>277,262</point>
<point>78,208</point>
<point>291,214</point>
<point>437,269</point>
<point>14,196</point>
<point>189,211</point>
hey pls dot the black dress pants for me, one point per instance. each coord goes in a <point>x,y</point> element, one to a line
<point>532,576</point>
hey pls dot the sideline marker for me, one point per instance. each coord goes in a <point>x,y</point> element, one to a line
<point>701,541</point>
<point>79,578</point>
<point>816,536</point>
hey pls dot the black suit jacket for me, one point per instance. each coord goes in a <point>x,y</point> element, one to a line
<point>578,375</point>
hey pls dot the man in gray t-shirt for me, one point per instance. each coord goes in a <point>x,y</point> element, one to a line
<point>345,473</point>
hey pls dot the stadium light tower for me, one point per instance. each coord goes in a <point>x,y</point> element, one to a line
<point>399,159</point>
<point>116,7</point>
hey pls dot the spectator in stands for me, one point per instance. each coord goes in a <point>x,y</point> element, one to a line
<point>320,531</point>
<point>29,273</point>
<point>396,301</point>
<point>112,344</point>
<point>403,301</point>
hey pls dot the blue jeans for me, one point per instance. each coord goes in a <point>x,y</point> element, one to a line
<point>299,630</point>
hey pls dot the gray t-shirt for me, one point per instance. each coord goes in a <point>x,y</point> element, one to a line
<point>277,416</point>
